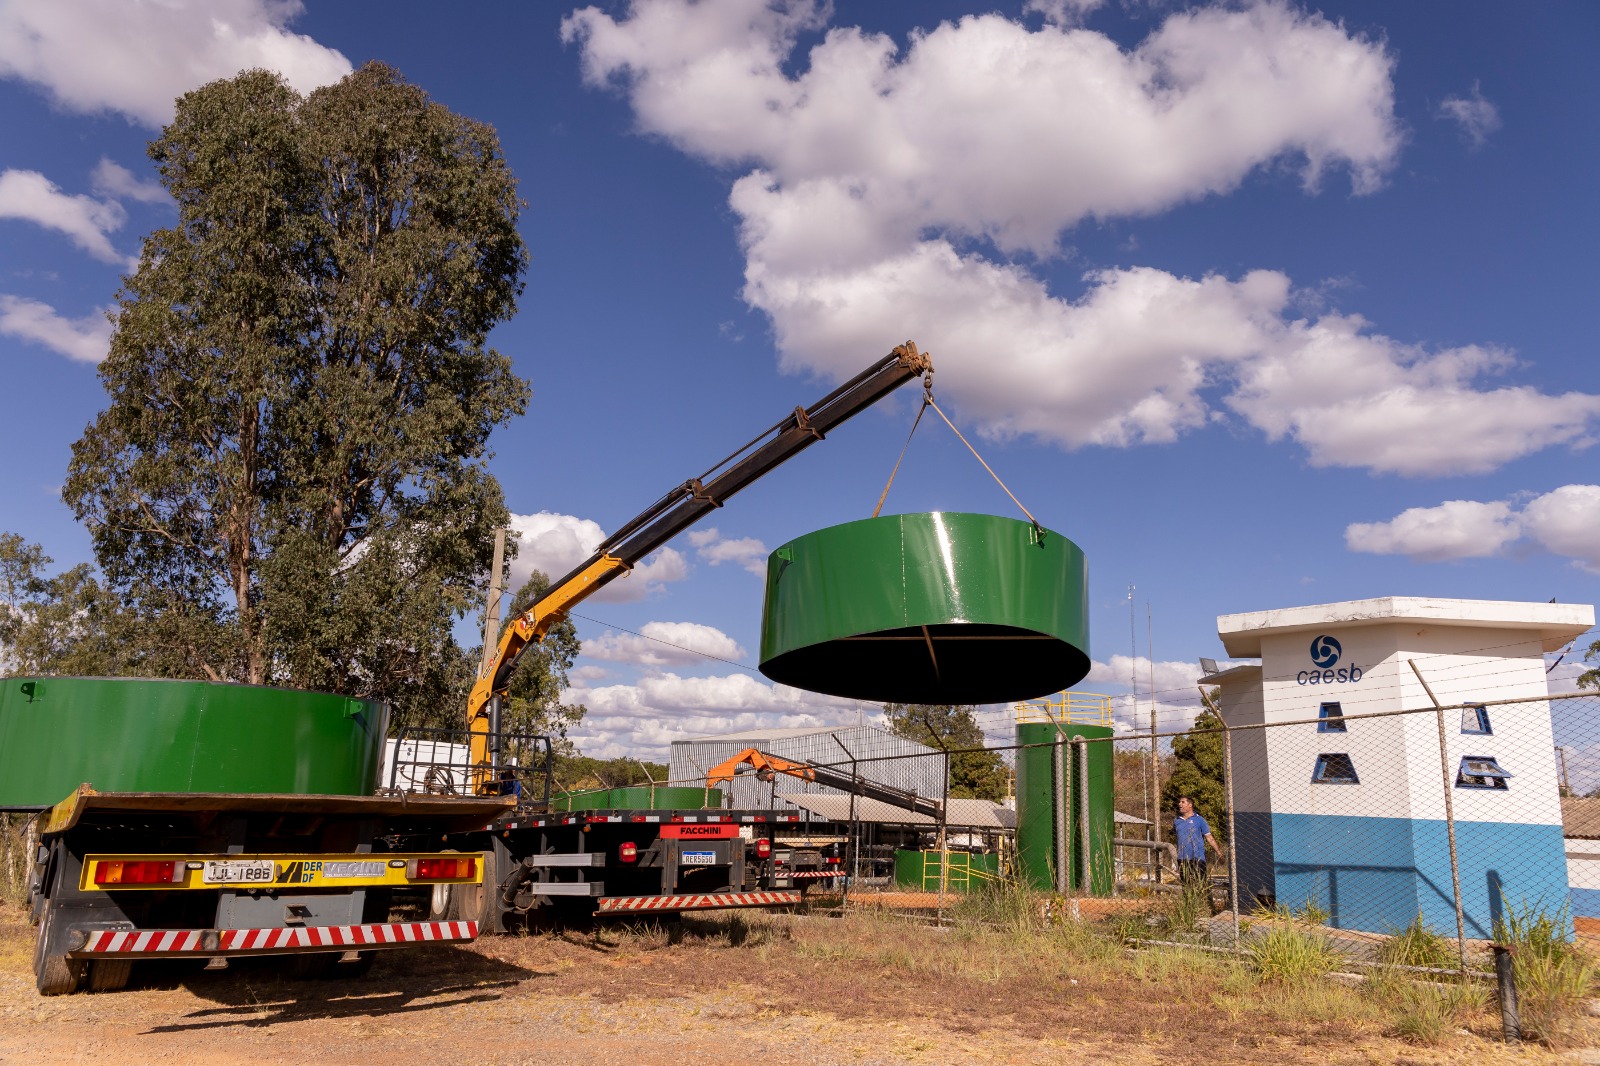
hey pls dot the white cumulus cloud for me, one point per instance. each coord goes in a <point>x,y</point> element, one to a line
<point>877,185</point>
<point>1455,529</point>
<point>665,643</point>
<point>116,182</point>
<point>87,222</point>
<point>747,552</point>
<point>136,58</point>
<point>557,543</point>
<point>643,719</point>
<point>83,340</point>
<point>1063,12</point>
<point>1475,116</point>
<point>1565,522</point>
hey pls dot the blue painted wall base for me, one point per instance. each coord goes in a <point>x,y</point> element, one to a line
<point>1378,874</point>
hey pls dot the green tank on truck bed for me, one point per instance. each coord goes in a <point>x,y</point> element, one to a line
<point>192,819</point>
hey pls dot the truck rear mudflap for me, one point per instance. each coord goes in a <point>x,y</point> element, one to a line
<point>698,901</point>
<point>178,943</point>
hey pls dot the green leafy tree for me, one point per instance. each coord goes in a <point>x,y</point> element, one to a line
<point>1196,771</point>
<point>289,483</point>
<point>584,772</point>
<point>1590,678</point>
<point>974,774</point>
<point>62,624</point>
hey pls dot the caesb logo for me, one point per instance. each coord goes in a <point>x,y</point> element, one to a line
<point>1325,652</point>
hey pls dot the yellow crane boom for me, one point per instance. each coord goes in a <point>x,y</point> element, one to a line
<point>659,523</point>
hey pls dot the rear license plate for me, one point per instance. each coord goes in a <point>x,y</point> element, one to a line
<point>699,858</point>
<point>238,872</point>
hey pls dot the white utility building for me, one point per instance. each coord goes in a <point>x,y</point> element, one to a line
<point>1350,815</point>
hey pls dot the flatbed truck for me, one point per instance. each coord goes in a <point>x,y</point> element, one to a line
<point>122,877</point>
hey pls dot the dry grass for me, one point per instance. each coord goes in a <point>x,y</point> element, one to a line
<point>868,987</point>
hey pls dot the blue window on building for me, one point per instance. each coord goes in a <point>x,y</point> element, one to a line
<point>1335,769</point>
<point>1478,771</point>
<point>1331,719</point>
<point>1476,720</point>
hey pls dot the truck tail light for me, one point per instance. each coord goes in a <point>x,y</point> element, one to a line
<point>628,852</point>
<point>441,869</point>
<point>763,848</point>
<point>138,872</point>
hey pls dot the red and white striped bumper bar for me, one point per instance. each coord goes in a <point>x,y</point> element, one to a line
<point>272,941</point>
<point>809,875</point>
<point>705,901</point>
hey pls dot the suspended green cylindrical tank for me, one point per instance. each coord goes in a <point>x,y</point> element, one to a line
<point>1040,792</point>
<point>138,735</point>
<point>927,608</point>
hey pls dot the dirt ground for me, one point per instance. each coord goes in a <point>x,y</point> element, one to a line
<point>644,999</point>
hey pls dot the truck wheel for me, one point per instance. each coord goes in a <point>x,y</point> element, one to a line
<point>54,974</point>
<point>442,904</point>
<point>109,975</point>
<point>480,903</point>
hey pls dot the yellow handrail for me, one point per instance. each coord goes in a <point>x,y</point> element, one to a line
<point>1067,708</point>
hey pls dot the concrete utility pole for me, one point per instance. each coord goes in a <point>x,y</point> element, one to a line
<point>491,613</point>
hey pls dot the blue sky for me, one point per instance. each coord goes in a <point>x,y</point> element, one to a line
<point>1262,304</point>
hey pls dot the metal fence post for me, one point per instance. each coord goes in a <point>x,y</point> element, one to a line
<point>1061,796</point>
<point>1085,882</point>
<point>1233,836</point>
<point>1449,819</point>
<point>944,841</point>
<point>1506,980</point>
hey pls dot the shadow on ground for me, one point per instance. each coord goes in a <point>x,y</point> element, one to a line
<point>260,992</point>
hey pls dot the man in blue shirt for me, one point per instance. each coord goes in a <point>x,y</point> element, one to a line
<point>1192,833</point>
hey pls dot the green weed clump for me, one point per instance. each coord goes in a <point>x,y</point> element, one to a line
<point>1312,912</point>
<point>1554,976</point>
<point>1001,901</point>
<point>1190,908</point>
<point>1423,1020</point>
<point>1291,956</point>
<point>1417,945</point>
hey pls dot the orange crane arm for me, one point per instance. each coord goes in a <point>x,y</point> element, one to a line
<point>765,766</point>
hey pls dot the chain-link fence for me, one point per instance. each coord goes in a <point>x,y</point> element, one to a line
<point>1446,827</point>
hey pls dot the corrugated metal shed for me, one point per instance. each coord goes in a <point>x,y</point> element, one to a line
<point>881,756</point>
<point>1580,818</point>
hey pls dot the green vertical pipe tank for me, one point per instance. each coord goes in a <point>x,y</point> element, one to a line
<point>940,607</point>
<point>1038,794</point>
<point>138,735</point>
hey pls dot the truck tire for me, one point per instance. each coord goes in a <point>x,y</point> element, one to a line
<point>442,904</point>
<point>480,903</point>
<point>109,975</point>
<point>53,973</point>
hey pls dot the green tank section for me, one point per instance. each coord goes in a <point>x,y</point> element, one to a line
<point>939,608</point>
<point>1038,793</point>
<point>139,735</point>
<point>966,873</point>
<point>639,797</point>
